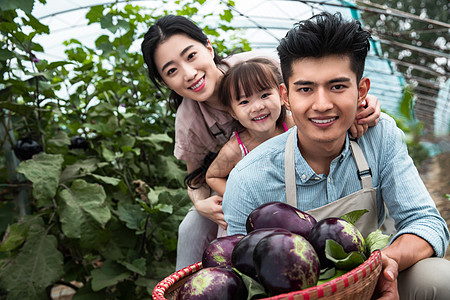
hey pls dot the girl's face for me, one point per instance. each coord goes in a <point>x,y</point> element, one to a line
<point>260,111</point>
<point>187,67</point>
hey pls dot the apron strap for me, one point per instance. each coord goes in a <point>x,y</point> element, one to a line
<point>289,170</point>
<point>364,172</point>
<point>218,134</point>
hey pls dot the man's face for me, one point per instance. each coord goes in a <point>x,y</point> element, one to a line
<point>323,98</point>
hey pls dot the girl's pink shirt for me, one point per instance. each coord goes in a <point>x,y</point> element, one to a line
<point>193,138</point>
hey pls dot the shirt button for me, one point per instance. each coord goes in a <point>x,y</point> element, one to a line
<point>303,176</point>
<point>329,179</point>
<point>317,178</point>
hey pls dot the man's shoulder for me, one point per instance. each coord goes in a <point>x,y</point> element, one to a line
<point>385,128</point>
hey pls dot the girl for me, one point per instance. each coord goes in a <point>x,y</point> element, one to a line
<point>250,90</point>
<point>179,55</point>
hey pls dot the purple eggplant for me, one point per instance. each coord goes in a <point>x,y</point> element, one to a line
<point>286,262</point>
<point>218,252</point>
<point>213,284</point>
<point>280,215</point>
<point>26,147</point>
<point>339,230</point>
<point>242,255</point>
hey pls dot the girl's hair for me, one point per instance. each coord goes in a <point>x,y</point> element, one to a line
<point>251,76</point>
<point>164,28</point>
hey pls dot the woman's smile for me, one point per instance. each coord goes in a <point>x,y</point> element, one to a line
<point>198,85</point>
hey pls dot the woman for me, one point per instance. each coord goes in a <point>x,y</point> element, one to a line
<point>179,55</point>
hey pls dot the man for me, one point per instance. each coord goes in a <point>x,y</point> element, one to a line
<point>317,167</point>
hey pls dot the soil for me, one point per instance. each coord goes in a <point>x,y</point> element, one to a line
<point>435,173</point>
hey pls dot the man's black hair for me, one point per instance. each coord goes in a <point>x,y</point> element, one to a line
<point>322,35</point>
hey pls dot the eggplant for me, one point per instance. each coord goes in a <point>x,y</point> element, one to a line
<point>339,230</point>
<point>286,262</point>
<point>218,252</point>
<point>214,283</point>
<point>26,147</point>
<point>78,142</point>
<point>280,215</point>
<point>242,255</point>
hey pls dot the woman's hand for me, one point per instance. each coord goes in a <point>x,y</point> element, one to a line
<point>387,282</point>
<point>367,116</point>
<point>211,208</point>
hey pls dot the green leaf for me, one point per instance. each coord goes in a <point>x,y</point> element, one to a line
<point>106,22</point>
<point>55,64</point>
<point>38,265</point>
<point>227,15</point>
<point>327,273</point>
<point>341,259</point>
<point>165,208</point>
<point>5,54</point>
<point>60,139</point>
<point>7,214</point>
<point>106,179</point>
<point>354,216</point>
<point>20,109</point>
<point>137,266</point>
<point>406,105</point>
<point>152,196</point>
<point>95,13</point>
<point>326,278</point>
<point>156,140</point>
<point>109,274</point>
<point>80,167</point>
<point>254,288</point>
<point>43,171</point>
<point>377,240</point>
<point>14,237</point>
<point>16,233</point>
<point>171,169</point>
<point>79,205</point>
<point>25,5</point>
<point>132,215</point>
<point>127,140</point>
<point>37,26</point>
<point>108,155</point>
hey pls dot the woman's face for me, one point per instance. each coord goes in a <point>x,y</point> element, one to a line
<point>187,67</point>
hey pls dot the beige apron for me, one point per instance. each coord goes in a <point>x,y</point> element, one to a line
<point>362,199</point>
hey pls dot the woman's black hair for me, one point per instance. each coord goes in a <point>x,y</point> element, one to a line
<point>196,179</point>
<point>164,28</point>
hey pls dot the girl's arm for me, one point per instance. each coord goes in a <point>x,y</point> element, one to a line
<point>371,113</point>
<point>367,116</point>
<point>220,168</point>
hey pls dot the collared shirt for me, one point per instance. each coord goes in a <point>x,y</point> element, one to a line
<point>259,178</point>
<point>193,138</point>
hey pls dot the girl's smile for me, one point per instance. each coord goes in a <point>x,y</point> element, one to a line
<point>258,112</point>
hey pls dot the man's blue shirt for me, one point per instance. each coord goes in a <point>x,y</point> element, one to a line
<point>259,178</point>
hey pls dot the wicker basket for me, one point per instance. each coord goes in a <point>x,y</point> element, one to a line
<point>358,283</point>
